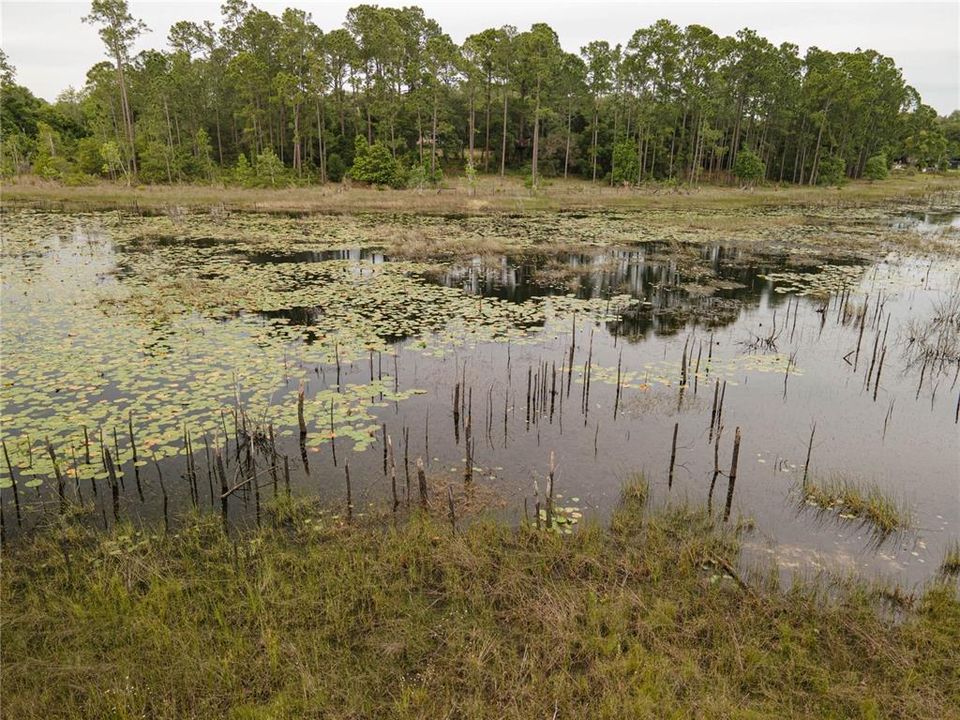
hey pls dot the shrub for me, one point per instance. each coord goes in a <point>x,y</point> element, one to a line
<point>89,159</point>
<point>876,167</point>
<point>270,170</point>
<point>832,171</point>
<point>242,172</point>
<point>626,169</point>
<point>375,165</point>
<point>420,176</point>
<point>749,168</point>
<point>335,167</point>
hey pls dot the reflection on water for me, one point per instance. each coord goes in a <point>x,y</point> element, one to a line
<point>928,222</point>
<point>787,361</point>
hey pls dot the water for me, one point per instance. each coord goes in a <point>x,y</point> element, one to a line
<point>94,329</point>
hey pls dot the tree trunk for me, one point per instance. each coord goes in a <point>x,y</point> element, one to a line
<point>320,148</point>
<point>472,126</point>
<point>127,114</point>
<point>433,144</point>
<point>297,158</point>
<point>536,137</point>
<point>503,145</point>
<point>596,119</point>
<point>486,124</point>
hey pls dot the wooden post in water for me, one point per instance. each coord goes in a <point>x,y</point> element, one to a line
<point>346,471</point>
<point>13,481</point>
<point>716,470</point>
<point>806,465</point>
<point>56,471</point>
<point>300,418</point>
<point>673,455</point>
<point>224,495</point>
<point>163,491</point>
<point>133,448</point>
<point>393,473</point>
<point>456,412</point>
<point>550,479</point>
<point>422,484</point>
<point>114,485</point>
<point>732,478</point>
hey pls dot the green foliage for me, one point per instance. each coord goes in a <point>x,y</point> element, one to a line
<point>88,156</point>
<point>281,81</point>
<point>336,168</point>
<point>876,167</point>
<point>419,177</point>
<point>832,171</point>
<point>626,166</point>
<point>204,155</point>
<point>749,168</point>
<point>375,165</point>
<point>242,173</point>
<point>113,163</point>
<point>270,172</point>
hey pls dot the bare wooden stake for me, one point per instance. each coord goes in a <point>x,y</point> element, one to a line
<point>453,512</point>
<point>300,418</point>
<point>422,483</point>
<point>59,476</point>
<point>732,478</point>
<point>673,455</point>
<point>346,471</point>
<point>550,479</point>
<point>806,465</point>
<point>114,485</point>
<point>13,480</point>
<point>393,474</point>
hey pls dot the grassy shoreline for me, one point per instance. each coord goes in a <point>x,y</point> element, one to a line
<point>311,617</point>
<point>490,195</point>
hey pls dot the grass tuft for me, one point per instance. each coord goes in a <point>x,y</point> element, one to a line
<point>950,566</point>
<point>852,499</point>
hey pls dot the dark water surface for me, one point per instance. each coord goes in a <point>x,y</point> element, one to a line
<point>789,361</point>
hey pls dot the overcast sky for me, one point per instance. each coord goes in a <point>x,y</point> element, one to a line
<point>52,49</point>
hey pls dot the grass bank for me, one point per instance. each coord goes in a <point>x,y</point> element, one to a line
<point>309,617</point>
<point>490,194</point>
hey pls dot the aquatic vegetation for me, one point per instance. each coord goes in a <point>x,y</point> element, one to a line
<point>853,500</point>
<point>829,279</point>
<point>950,565</point>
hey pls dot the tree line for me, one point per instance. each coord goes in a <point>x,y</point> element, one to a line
<point>389,98</point>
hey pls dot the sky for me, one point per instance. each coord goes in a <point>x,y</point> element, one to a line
<point>52,49</point>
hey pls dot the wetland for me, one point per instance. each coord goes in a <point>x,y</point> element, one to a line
<point>487,347</point>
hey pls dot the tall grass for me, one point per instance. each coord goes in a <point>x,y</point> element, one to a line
<point>492,194</point>
<point>313,618</point>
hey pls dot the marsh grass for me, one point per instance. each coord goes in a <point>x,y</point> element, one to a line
<point>491,194</point>
<point>311,617</point>
<point>950,565</point>
<point>853,499</point>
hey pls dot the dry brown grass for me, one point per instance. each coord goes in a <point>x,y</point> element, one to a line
<point>493,194</point>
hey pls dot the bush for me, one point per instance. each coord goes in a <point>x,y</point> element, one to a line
<point>420,176</point>
<point>270,170</point>
<point>242,173</point>
<point>336,168</point>
<point>749,168</point>
<point>832,171</point>
<point>626,169</point>
<point>876,167</point>
<point>375,165</point>
<point>89,159</point>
